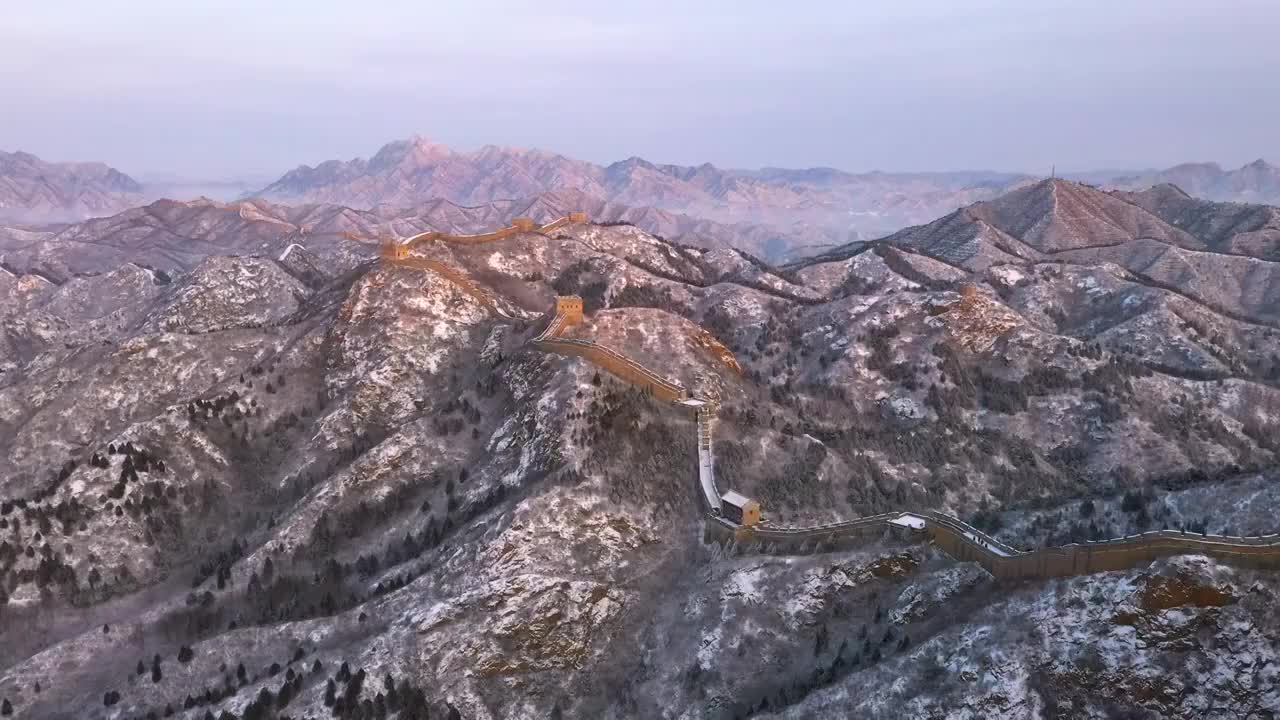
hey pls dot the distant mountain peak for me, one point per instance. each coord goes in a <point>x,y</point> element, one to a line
<point>1258,181</point>
<point>415,151</point>
<point>33,190</point>
<point>633,162</point>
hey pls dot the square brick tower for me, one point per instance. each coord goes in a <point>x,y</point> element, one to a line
<point>392,250</point>
<point>523,224</point>
<point>577,218</point>
<point>570,306</point>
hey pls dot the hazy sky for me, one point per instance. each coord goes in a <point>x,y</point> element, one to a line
<point>235,87</point>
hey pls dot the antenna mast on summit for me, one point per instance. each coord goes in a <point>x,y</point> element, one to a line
<point>1053,172</point>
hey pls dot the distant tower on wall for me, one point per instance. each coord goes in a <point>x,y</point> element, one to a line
<point>577,218</point>
<point>393,250</point>
<point>523,224</point>
<point>570,306</point>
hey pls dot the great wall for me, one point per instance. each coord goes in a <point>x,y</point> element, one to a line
<point>733,519</point>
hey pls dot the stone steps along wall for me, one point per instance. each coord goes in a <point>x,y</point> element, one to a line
<point>554,328</point>
<point>617,364</point>
<point>609,359</point>
<point>800,540</point>
<point>707,462</point>
<point>637,374</point>
<point>455,276</point>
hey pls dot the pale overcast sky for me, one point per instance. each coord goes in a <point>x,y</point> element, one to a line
<point>235,87</point>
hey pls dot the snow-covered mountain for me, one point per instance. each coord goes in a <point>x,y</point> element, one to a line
<point>795,206</point>
<point>248,469</point>
<point>35,191</point>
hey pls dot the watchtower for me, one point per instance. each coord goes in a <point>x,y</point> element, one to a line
<point>570,306</point>
<point>740,509</point>
<point>522,224</point>
<point>392,250</point>
<point>969,292</point>
<point>577,218</point>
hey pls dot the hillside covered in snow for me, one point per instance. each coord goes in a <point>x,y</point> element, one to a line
<point>279,477</point>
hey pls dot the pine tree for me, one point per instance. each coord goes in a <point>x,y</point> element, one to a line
<point>5,708</point>
<point>330,693</point>
<point>285,694</point>
<point>155,670</point>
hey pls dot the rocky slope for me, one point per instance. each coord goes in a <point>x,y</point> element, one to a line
<point>35,191</point>
<point>1220,255</point>
<point>278,477</point>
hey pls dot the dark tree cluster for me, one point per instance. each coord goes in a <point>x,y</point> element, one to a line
<point>650,296</point>
<point>583,280</point>
<point>856,284</point>
<point>348,698</point>
<point>897,260</point>
<point>446,424</point>
<point>687,273</point>
<point>220,564</point>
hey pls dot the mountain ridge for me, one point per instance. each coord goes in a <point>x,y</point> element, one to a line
<point>405,172</point>
<point>292,463</point>
<point>35,191</point>
<point>1255,182</point>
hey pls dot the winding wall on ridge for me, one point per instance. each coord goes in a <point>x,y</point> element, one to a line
<point>609,359</point>
<point>519,225</point>
<point>954,537</point>
<point>965,543</point>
